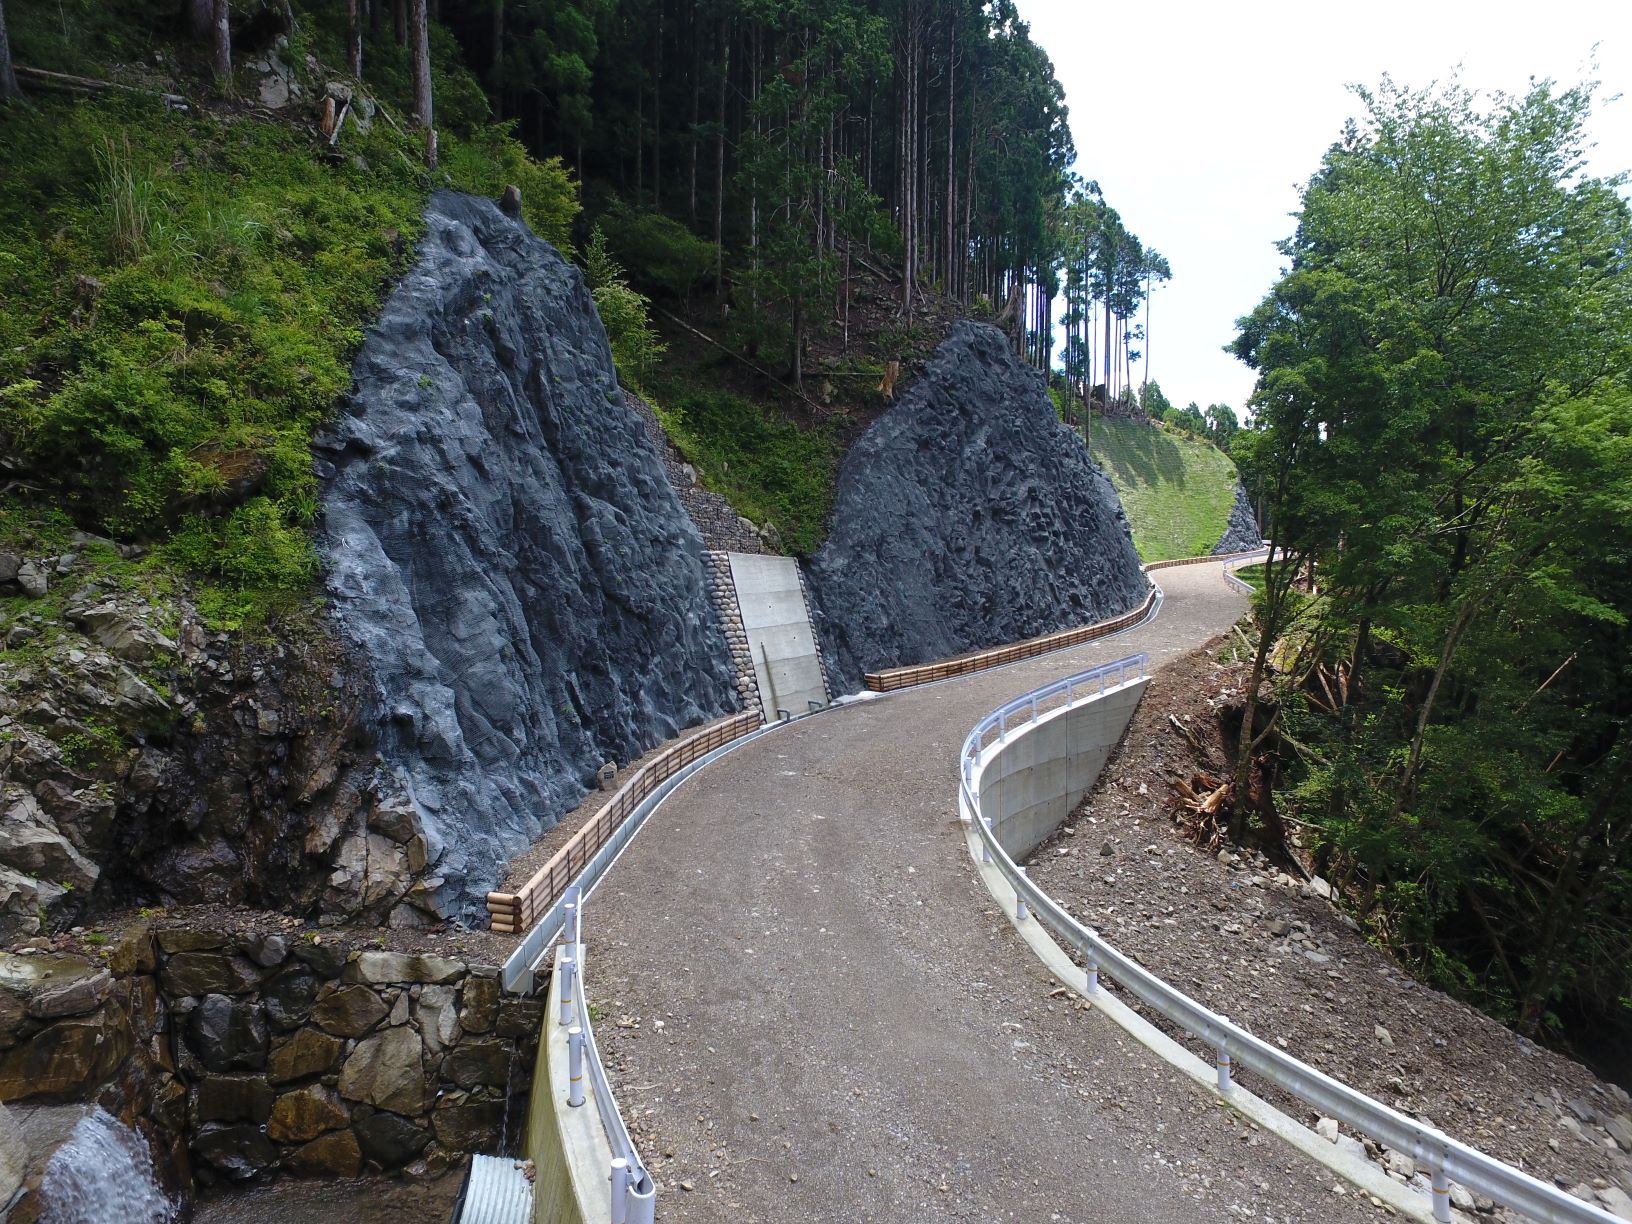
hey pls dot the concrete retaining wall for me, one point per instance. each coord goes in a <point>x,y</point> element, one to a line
<point>1033,781</point>
<point>782,646</point>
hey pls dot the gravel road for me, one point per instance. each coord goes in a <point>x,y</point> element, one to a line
<point>813,1011</point>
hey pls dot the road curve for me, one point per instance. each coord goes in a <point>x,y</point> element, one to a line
<point>812,1010</point>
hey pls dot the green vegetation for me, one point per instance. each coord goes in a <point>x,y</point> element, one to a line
<point>181,292</point>
<point>1443,436</point>
<point>1177,489</point>
<point>771,470</point>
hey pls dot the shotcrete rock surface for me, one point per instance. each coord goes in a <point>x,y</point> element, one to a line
<point>965,516</point>
<point>1242,531</point>
<point>505,548</point>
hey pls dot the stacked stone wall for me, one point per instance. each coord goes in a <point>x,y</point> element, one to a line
<point>244,1055</point>
<point>724,592</point>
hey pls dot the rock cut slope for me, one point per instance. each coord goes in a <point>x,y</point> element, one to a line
<point>965,516</point>
<point>505,548</point>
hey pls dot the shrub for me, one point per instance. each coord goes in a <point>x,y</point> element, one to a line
<point>661,255</point>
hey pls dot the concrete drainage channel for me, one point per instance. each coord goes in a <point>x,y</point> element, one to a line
<point>1022,770</point>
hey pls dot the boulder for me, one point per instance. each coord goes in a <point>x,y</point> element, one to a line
<point>308,1052</point>
<point>289,997</point>
<point>201,973</point>
<point>382,968</point>
<point>237,1151</point>
<point>333,1155</point>
<point>121,633</point>
<point>348,1011</point>
<point>481,1007</point>
<point>73,997</point>
<point>386,1071</point>
<point>520,1017</point>
<point>390,1141</point>
<point>71,1058</point>
<point>437,1014</point>
<point>470,1126</point>
<point>228,1034</point>
<point>476,1064</point>
<point>306,1113</point>
<point>231,1098</point>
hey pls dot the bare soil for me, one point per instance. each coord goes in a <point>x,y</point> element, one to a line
<point>1258,943</point>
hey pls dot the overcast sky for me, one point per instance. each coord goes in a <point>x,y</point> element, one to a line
<point>1201,120</point>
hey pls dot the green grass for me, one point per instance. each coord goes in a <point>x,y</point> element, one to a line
<point>1177,489</point>
<point>181,293</point>
<point>766,467</point>
<point>1252,575</point>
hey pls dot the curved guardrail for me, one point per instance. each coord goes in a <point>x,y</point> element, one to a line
<point>633,1192</point>
<point>1448,1159</point>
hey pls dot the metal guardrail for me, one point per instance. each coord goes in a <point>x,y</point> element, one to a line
<point>1448,1159</point>
<point>633,1192</point>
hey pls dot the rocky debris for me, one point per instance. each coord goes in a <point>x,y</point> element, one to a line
<point>1300,971</point>
<point>504,546</point>
<point>721,527</point>
<point>215,1087</point>
<point>1241,533</point>
<point>965,516</point>
<point>145,756</point>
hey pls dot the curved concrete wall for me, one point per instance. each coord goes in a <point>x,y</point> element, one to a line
<point>1034,780</point>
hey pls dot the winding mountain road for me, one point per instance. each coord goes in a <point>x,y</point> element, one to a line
<point>812,1010</point>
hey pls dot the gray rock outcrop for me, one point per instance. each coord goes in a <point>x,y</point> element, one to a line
<point>1242,532</point>
<point>504,547</point>
<point>965,516</point>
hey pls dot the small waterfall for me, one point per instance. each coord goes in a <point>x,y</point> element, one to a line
<point>103,1174</point>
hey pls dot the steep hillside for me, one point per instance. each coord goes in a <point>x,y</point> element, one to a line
<point>1178,490</point>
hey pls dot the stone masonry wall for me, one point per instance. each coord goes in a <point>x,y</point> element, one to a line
<point>724,593</point>
<point>245,1054</point>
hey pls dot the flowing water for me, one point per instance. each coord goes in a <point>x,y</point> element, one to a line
<point>103,1174</point>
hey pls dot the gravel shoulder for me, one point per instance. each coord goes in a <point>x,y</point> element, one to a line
<point>812,1010</point>
<point>1255,942</point>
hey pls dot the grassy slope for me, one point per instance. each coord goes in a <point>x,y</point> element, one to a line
<point>180,292</point>
<point>1177,489</point>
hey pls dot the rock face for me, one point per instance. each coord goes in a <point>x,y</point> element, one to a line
<point>1242,532</point>
<point>146,757</point>
<point>505,548</point>
<point>965,516</point>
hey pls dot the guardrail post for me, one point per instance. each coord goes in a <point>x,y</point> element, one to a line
<point>985,846</point>
<point>620,1191</point>
<point>642,1203</point>
<point>1093,976</point>
<point>1442,1193</point>
<point>569,925</point>
<point>1225,1083</point>
<point>1021,913</point>
<point>575,1066</point>
<point>569,971</point>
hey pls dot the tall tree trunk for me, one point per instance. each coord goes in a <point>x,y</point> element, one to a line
<point>399,16</point>
<point>719,163</point>
<point>657,118</point>
<point>420,21</point>
<point>8,78</point>
<point>354,39</point>
<point>223,43</point>
<point>496,68</point>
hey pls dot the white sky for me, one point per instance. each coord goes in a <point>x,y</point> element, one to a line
<point>1201,120</point>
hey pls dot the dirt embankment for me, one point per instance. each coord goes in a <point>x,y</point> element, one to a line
<point>1264,946</point>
